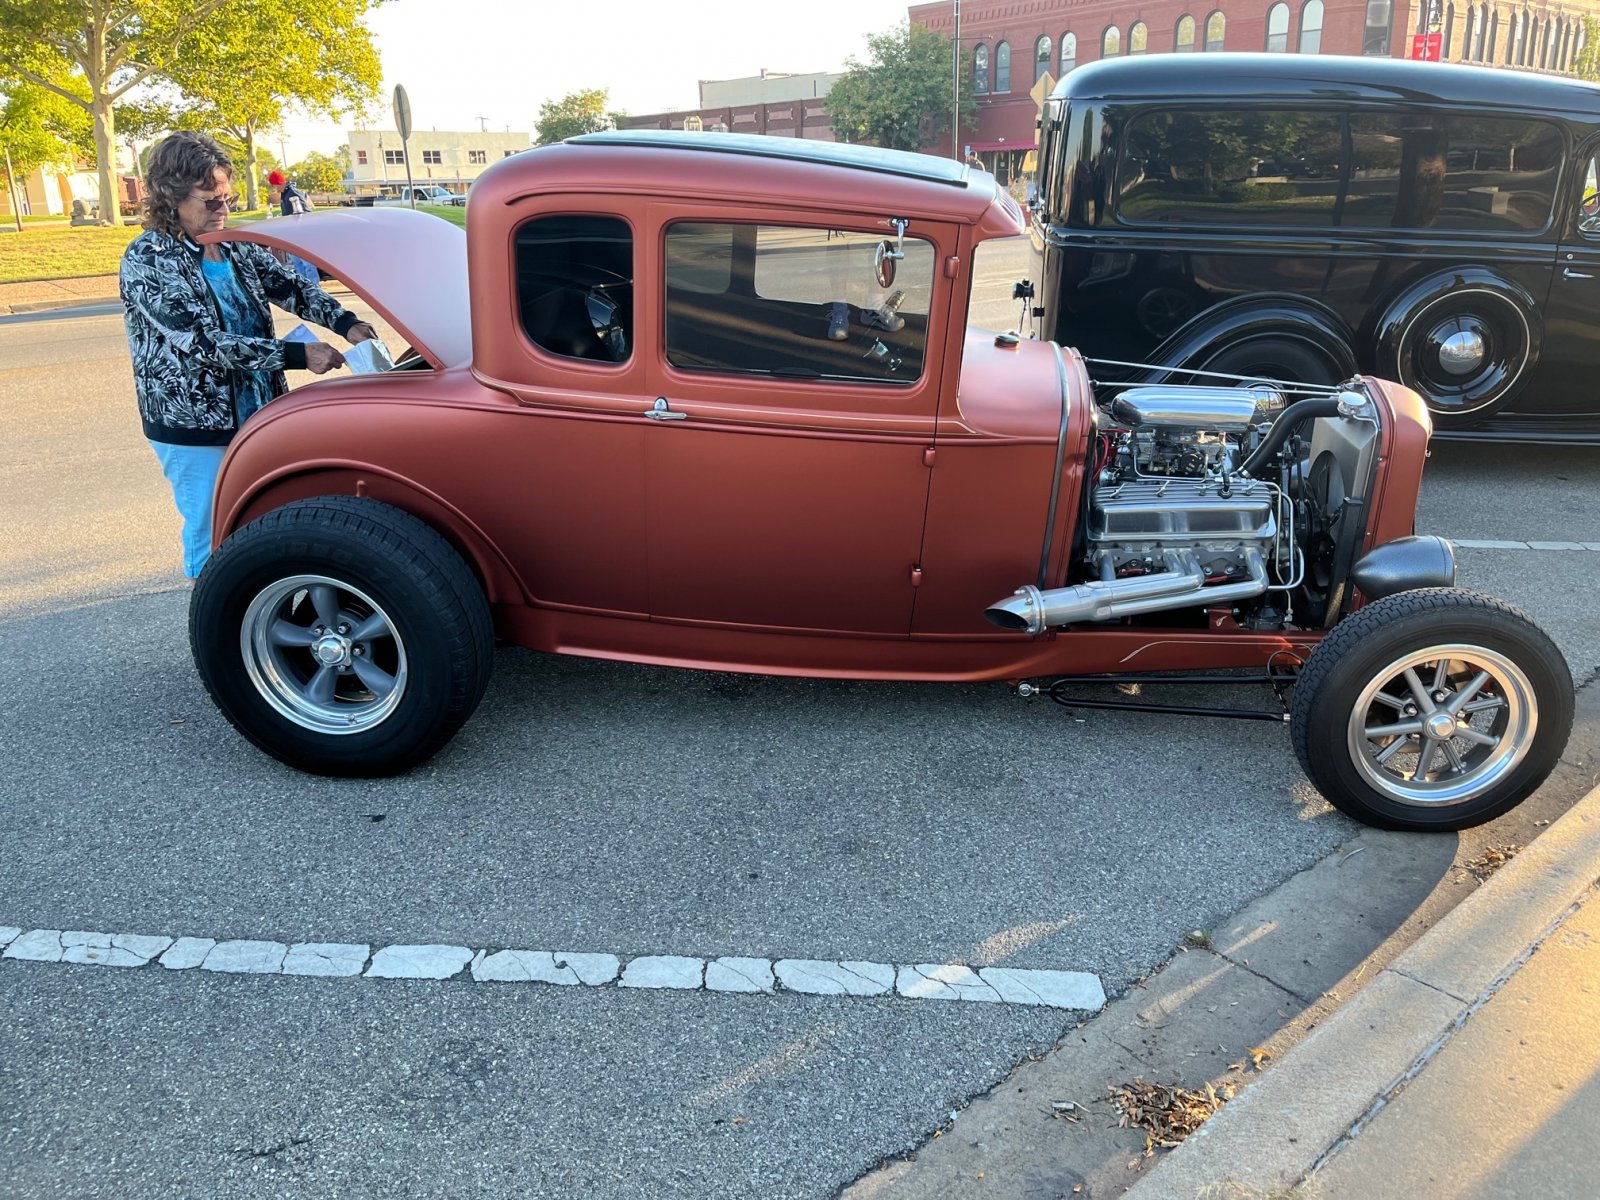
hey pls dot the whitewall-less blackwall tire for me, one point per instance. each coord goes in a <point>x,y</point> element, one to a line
<point>1434,709</point>
<point>342,636</point>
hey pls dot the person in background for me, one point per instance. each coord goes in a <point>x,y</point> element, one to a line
<point>292,200</point>
<point>200,327</point>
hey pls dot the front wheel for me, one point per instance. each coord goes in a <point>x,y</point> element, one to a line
<point>342,636</point>
<point>1434,709</point>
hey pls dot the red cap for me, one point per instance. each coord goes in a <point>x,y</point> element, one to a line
<point>277,178</point>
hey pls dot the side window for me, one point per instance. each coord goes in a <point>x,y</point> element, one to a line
<point>575,285</point>
<point>1589,200</point>
<point>795,303</point>
<point>1422,171</point>
<point>1220,166</point>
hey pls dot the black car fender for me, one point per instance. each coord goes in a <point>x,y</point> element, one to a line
<point>1270,314</point>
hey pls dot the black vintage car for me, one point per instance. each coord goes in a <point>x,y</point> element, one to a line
<point>1300,217</point>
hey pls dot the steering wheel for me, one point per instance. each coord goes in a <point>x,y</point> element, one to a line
<point>606,316</point>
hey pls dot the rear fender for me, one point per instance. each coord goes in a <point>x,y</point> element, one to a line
<point>1276,314</point>
<point>500,583</point>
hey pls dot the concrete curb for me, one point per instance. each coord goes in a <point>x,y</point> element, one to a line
<point>1311,1104</point>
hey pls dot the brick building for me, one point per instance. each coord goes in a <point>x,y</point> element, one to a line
<point>1015,43</point>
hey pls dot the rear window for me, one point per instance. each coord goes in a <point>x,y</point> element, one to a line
<point>1390,170</point>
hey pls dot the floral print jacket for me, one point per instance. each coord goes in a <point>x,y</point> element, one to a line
<point>186,366</point>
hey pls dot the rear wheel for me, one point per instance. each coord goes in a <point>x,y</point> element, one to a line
<point>1275,357</point>
<point>342,636</point>
<point>1434,709</point>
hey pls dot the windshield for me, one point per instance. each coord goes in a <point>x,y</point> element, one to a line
<point>997,266</point>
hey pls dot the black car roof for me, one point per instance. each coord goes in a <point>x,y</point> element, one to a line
<point>1302,78</point>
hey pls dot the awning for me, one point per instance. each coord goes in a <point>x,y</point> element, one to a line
<point>975,147</point>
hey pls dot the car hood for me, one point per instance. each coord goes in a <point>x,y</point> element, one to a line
<point>410,266</point>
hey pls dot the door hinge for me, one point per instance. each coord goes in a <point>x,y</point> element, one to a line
<point>928,456</point>
<point>916,576</point>
<point>950,265</point>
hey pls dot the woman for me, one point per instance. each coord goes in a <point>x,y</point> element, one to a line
<point>200,328</point>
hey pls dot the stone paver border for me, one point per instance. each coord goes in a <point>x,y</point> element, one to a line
<point>1077,990</point>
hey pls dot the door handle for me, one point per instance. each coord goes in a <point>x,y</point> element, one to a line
<point>1569,273</point>
<point>660,412</point>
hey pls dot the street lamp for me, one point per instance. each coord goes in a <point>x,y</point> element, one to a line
<point>955,85</point>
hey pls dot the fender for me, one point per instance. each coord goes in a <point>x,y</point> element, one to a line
<point>1280,314</point>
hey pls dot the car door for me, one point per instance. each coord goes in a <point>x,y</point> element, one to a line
<point>787,475</point>
<point>1566,380</point>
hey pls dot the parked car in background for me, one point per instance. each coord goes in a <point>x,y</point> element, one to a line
<point>426,194</point>
<point>659,424</point>
<point>1293,216</point>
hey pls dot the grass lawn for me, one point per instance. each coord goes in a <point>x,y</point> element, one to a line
<point>67,252</point>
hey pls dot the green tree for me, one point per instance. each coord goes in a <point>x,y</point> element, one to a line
<point>574,113</point>
<point>37,127</point>
<point>91,52</point>
<point>1587,64</point>
<point>141,121</point>
<point>318,173</point>
<point>260,56</point>
<point>901,96</point>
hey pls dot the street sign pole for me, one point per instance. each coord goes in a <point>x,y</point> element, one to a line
<point>402,121</point>
<point>955,88</point>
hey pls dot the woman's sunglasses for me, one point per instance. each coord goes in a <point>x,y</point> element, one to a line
<point>218,203</point>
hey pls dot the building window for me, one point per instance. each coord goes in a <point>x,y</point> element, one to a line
<point>1183,36</point>
<point>1002,67</point>
<point>477,157</point>
<point>1311,27</point>
<point>508,154</point>
<point>1486,49</point>
<point>1110,42</point>
<point>394,156</point>
<point>432,157</point>
<point>1138,38</point>
<point>361,157</point>
<point>1041,58</point>
<point>980,70</point>
<point>1069,52</point>
<point>1278,29</point>
<point>1375,38</point>
<point>1216,30</point>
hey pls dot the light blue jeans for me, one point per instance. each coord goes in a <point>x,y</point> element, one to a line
<point>192,472</point>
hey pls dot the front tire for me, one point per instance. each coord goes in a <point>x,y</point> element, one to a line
<point>342,636</point>
<point>1434,709</point>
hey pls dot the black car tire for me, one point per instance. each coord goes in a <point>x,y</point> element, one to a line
<point>342,636</point>
<point>1355,687</point>
<point>1274,357</point>
<point>1473,303</point>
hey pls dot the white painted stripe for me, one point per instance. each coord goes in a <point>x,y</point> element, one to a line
<point>1077,990</point>
<point>1501,544</point>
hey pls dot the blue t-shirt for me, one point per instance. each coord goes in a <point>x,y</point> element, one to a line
<point>239,316</point>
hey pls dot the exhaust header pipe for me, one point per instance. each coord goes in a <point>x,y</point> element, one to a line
<point>1181,585</point>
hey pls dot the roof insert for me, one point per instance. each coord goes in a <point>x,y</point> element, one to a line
<point>834,154</point>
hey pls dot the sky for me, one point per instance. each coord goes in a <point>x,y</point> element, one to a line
<point>499,60</point>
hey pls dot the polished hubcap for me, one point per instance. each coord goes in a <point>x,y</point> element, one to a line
<point>1443,725</point>
<point>1460,348</point>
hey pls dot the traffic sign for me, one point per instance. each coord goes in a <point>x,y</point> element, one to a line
<point>402,112</point>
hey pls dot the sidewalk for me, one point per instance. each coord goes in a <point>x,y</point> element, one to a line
<point>56,293</point>
<point>1470,1067</point>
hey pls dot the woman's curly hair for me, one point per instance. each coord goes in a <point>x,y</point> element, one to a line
<point>180,163</point>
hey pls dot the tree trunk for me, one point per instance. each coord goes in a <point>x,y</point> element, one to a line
<point>251,167</point>
<point>105,152</point>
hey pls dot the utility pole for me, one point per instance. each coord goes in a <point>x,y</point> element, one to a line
<point>483,124</point>
<point>955,88</point>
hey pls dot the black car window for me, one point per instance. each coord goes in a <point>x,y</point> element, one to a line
<point>575,285</point>
<point>1230,167</point>
<point>1589,198</point>
<point>1432,171</point>
<point>796,303</point>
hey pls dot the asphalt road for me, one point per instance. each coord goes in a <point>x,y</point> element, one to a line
<point>588,806</point>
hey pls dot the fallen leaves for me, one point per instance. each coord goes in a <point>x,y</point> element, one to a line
<point>1492,859</point>
<point>1166,1114</point>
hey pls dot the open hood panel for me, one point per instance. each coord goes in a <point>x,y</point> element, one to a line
<point>410,266</point>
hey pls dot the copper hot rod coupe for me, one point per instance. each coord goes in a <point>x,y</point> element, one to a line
<point>714,401</point>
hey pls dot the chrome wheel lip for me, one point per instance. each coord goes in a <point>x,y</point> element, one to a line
<point>1514,727</point>
<point>268,665</point>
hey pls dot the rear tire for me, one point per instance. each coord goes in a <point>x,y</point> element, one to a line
<point>342,636</point>
<point>1433,709</point>
<point>1275,357</point>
